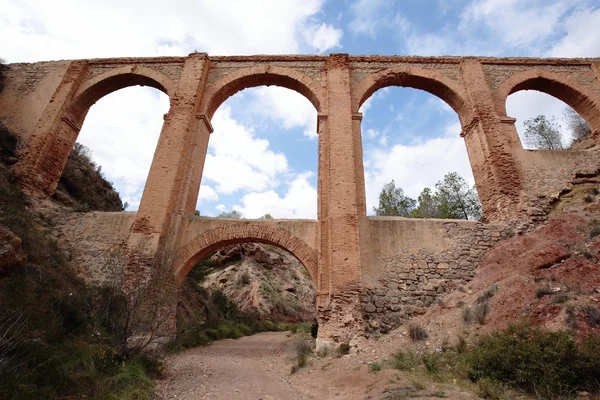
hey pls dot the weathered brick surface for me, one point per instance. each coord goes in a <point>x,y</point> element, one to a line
<point>46,104</point>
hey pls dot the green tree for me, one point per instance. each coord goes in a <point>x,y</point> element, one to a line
<point>197,213</point>
<point>393,202</point>
<point>428,206</point>
<point>267,216</point>
<point>579,128</point>
<point>455,199</point>
<point>543,134</point>
<point>234,214</point>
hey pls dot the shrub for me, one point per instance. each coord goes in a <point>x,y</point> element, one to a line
<point>374,367</point>
<point>432,362</point>
<point>494,390</point>
<point>488,294</point>
<point>561,298</point>
<point>592,315</point>
<point>343,349</point>
<point>302,349</point>
<point>543,291</point>
<point>594,228</point>
<point>266,326</point>
<point>404,361</point>
<point>416,332</point>
<point>468,316</point>
<point>548,364</point>
<point>481,311</point>
<point>571,321</point>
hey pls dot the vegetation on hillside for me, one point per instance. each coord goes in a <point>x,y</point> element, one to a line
<point>522,358</point>
<point>55,341</point>
<point>205,315</point>
<point>452,199</point>
<point>85,186</point>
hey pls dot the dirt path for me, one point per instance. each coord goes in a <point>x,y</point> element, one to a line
<point>258,367</point>
<point>247,368</point>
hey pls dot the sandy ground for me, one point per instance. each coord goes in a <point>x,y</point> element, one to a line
<point>258,367</point>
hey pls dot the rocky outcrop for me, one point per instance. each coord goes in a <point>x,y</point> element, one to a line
<point>265,280</point>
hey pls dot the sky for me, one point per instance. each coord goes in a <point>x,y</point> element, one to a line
<point>262,155</point>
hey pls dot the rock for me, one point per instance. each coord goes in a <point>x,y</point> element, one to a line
<point>11,255</point>
<point>370,308</point>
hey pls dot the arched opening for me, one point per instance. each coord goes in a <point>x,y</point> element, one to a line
<point>245,277</point>
<point>121,131</point>
<point>262,156</point>
<point>262,76</point>
<point>551,113</point>
<point>415,161</point>
<point>213,239</point>
<point>111,118</point>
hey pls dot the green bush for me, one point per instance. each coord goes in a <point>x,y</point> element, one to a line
<point>266,326</point>
<point>548,364</point>
<point>404,361</point>
<point>374,367</point>
<point>432,362</point>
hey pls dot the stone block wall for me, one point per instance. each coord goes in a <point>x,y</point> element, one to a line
<point>96,243</point>
<point>414,262</point>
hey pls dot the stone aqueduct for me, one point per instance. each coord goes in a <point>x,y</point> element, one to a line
<point>369,272</point>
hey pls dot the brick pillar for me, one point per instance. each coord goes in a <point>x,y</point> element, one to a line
<point>167,192</point>
<point>594,121</point>
<point>490,141</point>
<point>55,133</point>
<point>340,200</point>
<point>323,277</point>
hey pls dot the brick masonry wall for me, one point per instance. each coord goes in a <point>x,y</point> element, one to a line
<point>28,90</point>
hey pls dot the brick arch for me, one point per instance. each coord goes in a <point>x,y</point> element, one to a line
<point>213,239</point>
<point>417,78</point>
<point>557,85</point>
<point>265,75</point>
<point>99,86</point>
<point>46,154</point>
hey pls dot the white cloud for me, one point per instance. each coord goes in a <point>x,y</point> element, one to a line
<point>516,23</point>
<point>300,201</point>
<point>122,130</point>
<point>42,30</point>
<point>287,106</point>
<point>237,159</point>
<point>207,194</point>
<point>371,133</point>
<point>453,130</point>
<point>323,37</point>
<point>370,16</point>
<point>579,40</point>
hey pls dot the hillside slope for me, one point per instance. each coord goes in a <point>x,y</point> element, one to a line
<point>263,280</point>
